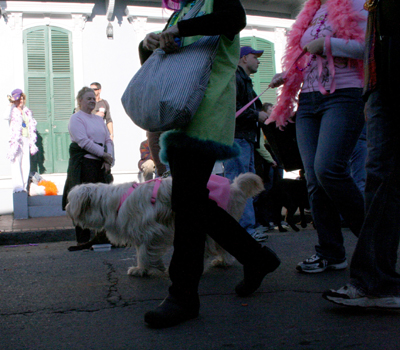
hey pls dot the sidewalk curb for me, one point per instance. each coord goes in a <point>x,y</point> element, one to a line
<point>37,236</point>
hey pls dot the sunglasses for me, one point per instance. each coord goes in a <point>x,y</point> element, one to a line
<point>96,89</point>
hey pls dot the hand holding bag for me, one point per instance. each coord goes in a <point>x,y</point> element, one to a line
<point>167,90</point>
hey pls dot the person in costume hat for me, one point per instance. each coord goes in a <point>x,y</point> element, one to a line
<point>22,142</point>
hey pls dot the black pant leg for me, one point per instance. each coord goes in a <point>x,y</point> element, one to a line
<point>195,216</point>
<point>91,172</point>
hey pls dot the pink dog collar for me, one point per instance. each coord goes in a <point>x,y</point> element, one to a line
<point>218,186</point>
<point>135,185</point>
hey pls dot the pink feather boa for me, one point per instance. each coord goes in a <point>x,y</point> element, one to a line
<point>344,20</point>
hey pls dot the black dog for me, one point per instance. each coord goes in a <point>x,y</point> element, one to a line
<point>287,193</point>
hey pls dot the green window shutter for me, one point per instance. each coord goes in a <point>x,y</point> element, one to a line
<point>50,91</point>
<point>62,97</point>
<point>61,73</point>
<point>266,70</point>
<point>36,74</point>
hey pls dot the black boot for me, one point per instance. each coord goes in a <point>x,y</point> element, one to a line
<point>82,237</point>
<point>257,261</point>
<point>173,311</point>
<point>255,272</point>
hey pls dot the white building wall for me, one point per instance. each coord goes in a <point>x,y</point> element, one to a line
<point>96,58</point>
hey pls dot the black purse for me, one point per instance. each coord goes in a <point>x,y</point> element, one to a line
<point>284,145</point>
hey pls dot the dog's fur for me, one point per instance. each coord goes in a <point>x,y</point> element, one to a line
<point>289,194</point>
<point>147,227</point>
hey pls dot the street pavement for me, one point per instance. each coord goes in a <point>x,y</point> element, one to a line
<point>51,298</point>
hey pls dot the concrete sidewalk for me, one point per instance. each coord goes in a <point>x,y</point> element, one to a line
<point>35,230</point>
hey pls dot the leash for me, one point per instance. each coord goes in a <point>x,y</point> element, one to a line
<point>331,67</point>
<point>240,111</point>
<point>136,185</point>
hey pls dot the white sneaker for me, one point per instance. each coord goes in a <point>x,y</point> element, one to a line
<point>260,236</point>
<point>316,264</point>
<point>260,229</point>
<point>351,296</point>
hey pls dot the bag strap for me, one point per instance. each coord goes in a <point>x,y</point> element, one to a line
<point>194,10</point>
<point>190,14</point>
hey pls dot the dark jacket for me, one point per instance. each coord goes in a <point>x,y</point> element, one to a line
<point>76,155</point>
<point>246,124</point>
<point>382,54</point>
<point>74,174</point>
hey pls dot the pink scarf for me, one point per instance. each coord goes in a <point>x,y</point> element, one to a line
<point>344,20</point>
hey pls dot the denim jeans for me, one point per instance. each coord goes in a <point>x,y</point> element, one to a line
<point>358,159</point>
<point>327,129</point>
<point>373,266</point>
<point>242,164</point>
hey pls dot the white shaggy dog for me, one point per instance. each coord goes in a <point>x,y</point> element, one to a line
<point>147,227</point>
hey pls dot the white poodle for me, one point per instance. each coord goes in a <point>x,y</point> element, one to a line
<point>146,226</point>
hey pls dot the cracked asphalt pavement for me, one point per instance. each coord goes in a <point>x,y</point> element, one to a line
<point>51,298</point>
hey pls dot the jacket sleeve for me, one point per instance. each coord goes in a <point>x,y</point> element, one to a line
<point>228,19</point>
<point>241,101</point>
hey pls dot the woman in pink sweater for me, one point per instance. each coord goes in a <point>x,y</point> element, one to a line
<point>91,151</point>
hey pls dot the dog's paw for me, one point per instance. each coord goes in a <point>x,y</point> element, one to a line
<point>141,272</point>
<point>137,271</point>
<point>156,272</point>
<point>294,227</point>
<point>281,229</point>
<point>303,224</point>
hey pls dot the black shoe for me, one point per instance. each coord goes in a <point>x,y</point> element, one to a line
<point>80,246</point>
<point>255,273</point>
<point>171,312</point>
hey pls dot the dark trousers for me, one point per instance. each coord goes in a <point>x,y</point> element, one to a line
<point>195,216</point>
<point>373,266</point>
<point>91,172</point>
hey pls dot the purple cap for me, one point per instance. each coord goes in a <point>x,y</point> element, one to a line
<point>245,50</point>
<point>16,94</point>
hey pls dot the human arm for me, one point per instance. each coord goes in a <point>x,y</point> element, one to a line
<point>110,128</point>
<point>109,144</point>
<point>339,47</point>
<point>228,18</point>
<point>277,80</point>
<point>105,113</point>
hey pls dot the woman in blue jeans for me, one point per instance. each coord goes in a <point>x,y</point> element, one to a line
<point>374,277</point>
<point>329,117</point>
